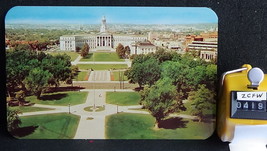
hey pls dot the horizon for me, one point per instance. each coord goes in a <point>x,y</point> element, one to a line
<point>114,15</point>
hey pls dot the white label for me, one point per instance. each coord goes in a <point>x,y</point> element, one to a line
<point>251,96</point>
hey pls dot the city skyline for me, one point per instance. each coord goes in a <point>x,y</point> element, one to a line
<point>114,15</point>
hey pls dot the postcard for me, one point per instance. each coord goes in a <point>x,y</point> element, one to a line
<point>111,72</point>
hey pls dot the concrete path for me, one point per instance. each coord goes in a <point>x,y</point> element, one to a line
<point>129,63</point>
<point>107,90</point>
<point>75,62</point>
<point>90,81</point>
<point>91,126</point>
<point>102,75</point>
<point>101,62</point>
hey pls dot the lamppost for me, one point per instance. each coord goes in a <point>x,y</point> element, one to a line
<point>94,80</point>
<point>117,108</point>
<point>69,108</point>
<point>122,79</point>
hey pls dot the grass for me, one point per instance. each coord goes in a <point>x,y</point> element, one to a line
<point>102,56</point>
<point>82,76</point>
<point>141,126</point>
<point>52,126</point>
<point>115,76</point>
<point>73,55</point>
<point>60,98</point>
<point>123,98</point>
<point>25,109</point>
<point>102,66</point>
<point>98,108</point>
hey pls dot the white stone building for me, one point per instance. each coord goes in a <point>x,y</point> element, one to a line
<point>144,47</point>
<point>101,41</point>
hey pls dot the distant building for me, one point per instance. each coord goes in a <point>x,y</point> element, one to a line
<point>142,48</point>
<point>101,41</point>
<point>206,50</point>
<point>204,44</point>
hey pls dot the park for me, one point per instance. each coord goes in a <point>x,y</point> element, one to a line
<point>104,102</point>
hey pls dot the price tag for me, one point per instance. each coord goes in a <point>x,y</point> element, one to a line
<point>255,96</point>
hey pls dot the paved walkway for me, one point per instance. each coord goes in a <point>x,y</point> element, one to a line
<point>75,62</point>
<point>99,75</point>
<point>91,126</point>
<point>127,61</point>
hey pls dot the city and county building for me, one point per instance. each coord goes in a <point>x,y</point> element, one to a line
<point>105,40</point>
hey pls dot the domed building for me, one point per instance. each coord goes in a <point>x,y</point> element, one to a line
<point>104,40</point>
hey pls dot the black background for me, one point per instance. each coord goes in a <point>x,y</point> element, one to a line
<point>242,39</point>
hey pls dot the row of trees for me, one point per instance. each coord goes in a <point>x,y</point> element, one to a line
<point>35,45</point>
<point>169,78</point>
<point>31,72</point>
<point>42,35</point>
<point>123,52</point>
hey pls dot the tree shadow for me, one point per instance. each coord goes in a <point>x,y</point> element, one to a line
<point>88,56</point>
<point>173,123</point>
<point>138,89</point>
<point>23,131</point>
<point>63,89</point>
<point>50,97</point>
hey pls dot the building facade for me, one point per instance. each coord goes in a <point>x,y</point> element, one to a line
<point>104,40</point>
<point>204,44</point>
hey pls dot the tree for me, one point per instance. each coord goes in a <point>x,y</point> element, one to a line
<point>18,65</point>
<point>161,99</point>
<point>85,50</point>
<point>211,76</point>
<point>13,120</point>
<point>127,51</point>
<point>147,72</point>
<point>20,95</point>
<point>23,47</point>
<point>120,50</point>
<point>202,101</point>
<point>177,72</point>
<point>37,81</point>
<point>59,66</point>
<point>77,49</point>
<point>162,55</point>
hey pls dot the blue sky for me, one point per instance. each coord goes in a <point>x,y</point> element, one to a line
<point>128,15</point>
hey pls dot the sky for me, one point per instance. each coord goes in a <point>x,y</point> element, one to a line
<point>126,15</point>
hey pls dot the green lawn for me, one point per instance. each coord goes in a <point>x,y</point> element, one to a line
<point>141,126</point>
<point>73,55</point>
<point>50,126</point>
<point>60,98</point>
<point>102,66</point>
<point>25,109</point>
<point>123,98</point>
<point>102,56</point>
<point>82,76</point>
<point>115,76</point>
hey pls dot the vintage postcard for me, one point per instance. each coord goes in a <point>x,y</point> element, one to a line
<point>111,72</point>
